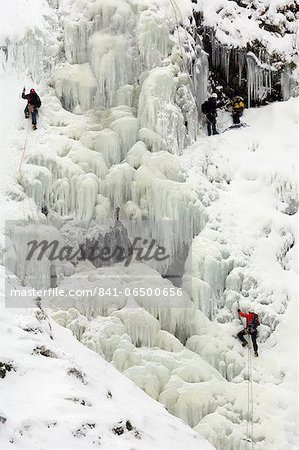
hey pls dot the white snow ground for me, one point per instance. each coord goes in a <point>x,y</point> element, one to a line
<point>240,188</point>
<point>59,394</point>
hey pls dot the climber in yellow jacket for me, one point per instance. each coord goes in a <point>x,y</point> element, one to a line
<point>238,107</point>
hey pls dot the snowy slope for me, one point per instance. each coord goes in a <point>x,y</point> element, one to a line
<point>247,181</point>
<point>254,171</point>
<point>56,393</point>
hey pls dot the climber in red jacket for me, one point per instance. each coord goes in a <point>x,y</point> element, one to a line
<point>252,324</point>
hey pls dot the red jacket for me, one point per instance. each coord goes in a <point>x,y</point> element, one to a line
<point>249,317</point>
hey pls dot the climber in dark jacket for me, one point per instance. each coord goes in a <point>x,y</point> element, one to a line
<point>34,102</point>
<point>252,322</point>
<point>209,108</point>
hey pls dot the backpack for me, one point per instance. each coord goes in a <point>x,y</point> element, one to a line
<point>204,107</point>
<point>34,100</point>
<point>38,102</point>
<point>254,324</point>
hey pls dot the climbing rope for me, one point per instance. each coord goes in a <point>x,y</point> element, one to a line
<point>24,150</point>
<point>251,395</point>
<point>174,5</point>
<point>21,173</point>
<point>249,443</point>
<point>250,404</point>
<point>176,8</point>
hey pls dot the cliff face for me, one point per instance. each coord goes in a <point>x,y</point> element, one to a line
<point>252,46</point>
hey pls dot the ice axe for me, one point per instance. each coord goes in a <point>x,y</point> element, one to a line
<point>240,318</point>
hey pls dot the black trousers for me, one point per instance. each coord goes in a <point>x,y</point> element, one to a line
<point>253,338</point>
<point>211,124</point>
<point>236,117</point>
<point>34,111</point>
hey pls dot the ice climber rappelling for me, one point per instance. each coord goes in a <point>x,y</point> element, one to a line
<point>252,324</point>
<point>33,103</point>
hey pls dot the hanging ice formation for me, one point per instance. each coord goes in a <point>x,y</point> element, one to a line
<point>134,77</point>
<point>221,56</point>
<point>240,60</point>
<point>259,74</point>
<point>259,78</point>
<point>289,85</point>
<point>116,56</point>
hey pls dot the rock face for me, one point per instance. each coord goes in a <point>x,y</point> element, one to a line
<point>4,368</point>
<point>251,48</point>
<point>110,248</point>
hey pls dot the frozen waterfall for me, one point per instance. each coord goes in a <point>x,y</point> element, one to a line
<point>120,151</point>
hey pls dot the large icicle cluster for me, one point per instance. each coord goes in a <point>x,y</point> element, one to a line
<point>135,107</point>
<point>267,30</point>
<point>259,79</point>
<point>112,57</point>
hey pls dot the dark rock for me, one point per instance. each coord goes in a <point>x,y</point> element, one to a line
<point>33,330</point>
<point>137,434</point>
<point>78,400</point>
<point>118,430</point>
<point>44,352</point>
<point>77,373</point>
<point>83,429</point>
<point>121,429</point>
<point>109,394</point>
<point>4,368</point>
<point>109,249</point>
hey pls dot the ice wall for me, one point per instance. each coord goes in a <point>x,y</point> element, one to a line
<point>259,79</point>
<point>134,76</point>
<point>259,71</point>
<point>113,52</point>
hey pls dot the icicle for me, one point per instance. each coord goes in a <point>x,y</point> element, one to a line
<point>239,58</point>
<point>259,78</point>
<point>221,57</point>
<point>289,85</point>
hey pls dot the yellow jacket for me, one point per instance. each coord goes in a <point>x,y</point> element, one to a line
<point>238,105</point>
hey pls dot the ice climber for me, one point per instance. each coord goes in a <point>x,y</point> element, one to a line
<point>45,210</point>
<point>251,329</point>
<point>33,103</point>
<point>238,107</point>
<point>222,98</point>
<point>209,108</point>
